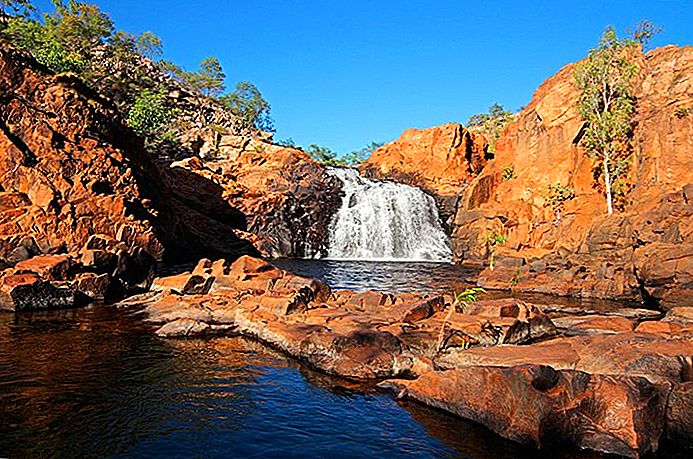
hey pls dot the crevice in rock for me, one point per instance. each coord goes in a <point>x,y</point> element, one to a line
<point>29,158</point>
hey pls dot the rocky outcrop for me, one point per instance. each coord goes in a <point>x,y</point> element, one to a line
<point>287,199</point>
<point>643,252</point>
<point>70,170</point>
<point>615,381</point>
<point>441,160</point>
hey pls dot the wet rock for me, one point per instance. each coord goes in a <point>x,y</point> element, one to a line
<point>600,385</point>
<point>183,327</point>
<point>27,292</point>
<point>540,406</point>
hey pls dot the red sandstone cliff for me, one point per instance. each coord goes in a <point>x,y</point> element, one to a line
<point>442,160</point>
<point>647,248</point>
<point>74,181</point>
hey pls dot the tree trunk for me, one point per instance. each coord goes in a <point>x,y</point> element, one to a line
<point>607,184</point>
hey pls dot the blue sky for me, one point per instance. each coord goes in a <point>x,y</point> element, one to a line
<point>343,74</point>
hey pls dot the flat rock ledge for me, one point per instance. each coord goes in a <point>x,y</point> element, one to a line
<point>617,382</point>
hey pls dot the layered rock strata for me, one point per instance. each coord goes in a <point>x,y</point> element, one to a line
<point>69,170</point>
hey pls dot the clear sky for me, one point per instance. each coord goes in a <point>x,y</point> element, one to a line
<point>343,74</point>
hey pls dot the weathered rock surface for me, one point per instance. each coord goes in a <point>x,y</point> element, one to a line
<point>441,160</point>
<point>287,199</point>
<point>69,170</point>
<point>645,251</point>
<point>616,381</point>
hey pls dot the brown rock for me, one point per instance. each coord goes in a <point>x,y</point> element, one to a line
<point>540,406</point>
<point>95,286</point>
<point>679,409</point>
<point>442,160</point>
<point>49,267</point>
<point>84,179</point>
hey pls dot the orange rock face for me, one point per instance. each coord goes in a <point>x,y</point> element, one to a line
<point>442,160</point>
<point>582,251</point>
<point>69,169</point>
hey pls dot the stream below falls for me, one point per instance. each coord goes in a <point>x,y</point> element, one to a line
<point>97,382</point>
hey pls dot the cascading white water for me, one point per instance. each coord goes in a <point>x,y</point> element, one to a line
<point>385,221</point>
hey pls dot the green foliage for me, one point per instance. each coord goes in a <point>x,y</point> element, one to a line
<point>209,79</point>
<point>492,240</point>
<point>323,155</point>
<point>78,37</point>
<point>247,103</point>
<point>30,36</point>
<point>357,157</point>
<point>607,106</point>
<point>79,27</point>
<point>330,158</point>
<point>149,115</point>
<point>509,172</point>
<point>463,299</point>
<point>558,195</point>
<point>149,45</point>
<point>491,124</point>
<point>461,302</point>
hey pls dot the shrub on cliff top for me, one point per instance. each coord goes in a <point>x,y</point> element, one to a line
<point>491,124</point>
<point>247,103</point>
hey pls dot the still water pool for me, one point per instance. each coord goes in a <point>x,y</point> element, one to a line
<point>96,382</point>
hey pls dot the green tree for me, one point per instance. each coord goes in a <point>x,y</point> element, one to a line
<point>149,114</point>
<point>79,27</point>
<point>357,157</point>
<point>247,103</point>
<point>323,155</point>
<point>31,36</point>
<point>607,106</point>
<point>491,124</point>
<point>149,45</point>
<point>209,79</point>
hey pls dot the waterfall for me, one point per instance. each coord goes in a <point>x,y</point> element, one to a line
<point>382,220</point>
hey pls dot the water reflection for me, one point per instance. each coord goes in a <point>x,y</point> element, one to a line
<point>398,277</point>
<point>97,382</point>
